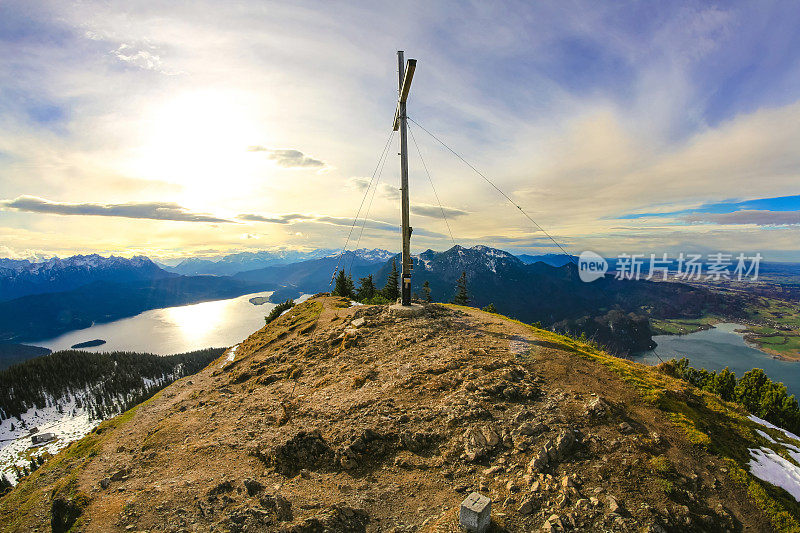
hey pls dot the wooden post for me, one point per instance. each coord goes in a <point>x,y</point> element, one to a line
<point>405,75</point>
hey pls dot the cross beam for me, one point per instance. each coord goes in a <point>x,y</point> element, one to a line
<point>405,75</point>
<point>405,86</point>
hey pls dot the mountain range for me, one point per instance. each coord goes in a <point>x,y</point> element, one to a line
<point>45,299</point>
<point>22,277</point>
<point>538,292</point>
<point>229,265</point>
<point>42,300</point>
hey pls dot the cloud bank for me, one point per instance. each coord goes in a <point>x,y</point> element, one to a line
<point>435,211</point>
<point>291,218</point>
<point>758,218</point>
<point>144,210</point>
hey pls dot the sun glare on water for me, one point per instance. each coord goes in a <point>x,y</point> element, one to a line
<point>195,322</point>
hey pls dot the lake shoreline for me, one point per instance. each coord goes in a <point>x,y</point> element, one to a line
<point>724,345</point>
<point>177,329</point>
<point>750,338</point>
<point>174,329</point>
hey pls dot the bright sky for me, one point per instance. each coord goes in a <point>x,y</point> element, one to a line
<point>181,128</point>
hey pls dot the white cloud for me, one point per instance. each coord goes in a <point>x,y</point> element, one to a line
<point>755,217</point>
<point>140,58</point>
<point>145,210</point>
<point>322,79</point>
<point>289,158</point>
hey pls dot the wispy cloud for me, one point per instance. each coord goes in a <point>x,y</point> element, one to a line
<point>781,203</point>
<point>145,210</point>
<point>756,217</point>
<point>390,192</point>
<point>144,59</point>
<point>279,219</point>
<point>372,224</point>
<point>324,219</point>
<point>358,184</point>
<point>435,211</point>
<point>289,158</point>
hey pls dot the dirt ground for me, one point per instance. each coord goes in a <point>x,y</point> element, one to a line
<point>345,418</point>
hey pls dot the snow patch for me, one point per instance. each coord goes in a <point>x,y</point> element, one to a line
<point>766,436</point>
<point>68,418</point>
<point>764,423</point>
<point>230,355</point>
<point>63,418</point>
<point>772,468</point>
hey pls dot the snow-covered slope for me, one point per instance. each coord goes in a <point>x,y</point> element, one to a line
<point>768,464</point>
<point>68,418</point>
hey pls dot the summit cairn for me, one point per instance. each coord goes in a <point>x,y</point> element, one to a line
<point>406,311</point>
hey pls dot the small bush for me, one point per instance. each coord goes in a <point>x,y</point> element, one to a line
<point>376,300</point>
<point>662,465</point>
<point>278,309</point>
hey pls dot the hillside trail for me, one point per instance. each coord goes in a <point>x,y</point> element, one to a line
<point>344,418</point>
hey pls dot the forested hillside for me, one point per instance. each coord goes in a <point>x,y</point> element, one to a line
<point>101,383</point>
<point>12,353</point>
<point>550,295</point>
<point>314,275</point>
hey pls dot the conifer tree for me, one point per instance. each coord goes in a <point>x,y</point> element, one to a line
<point>426,291</point>
<point>5,485</point>
<point>462,295</point>
<point>366,289</point>
<point>344,285</point>
<point>392,288</point>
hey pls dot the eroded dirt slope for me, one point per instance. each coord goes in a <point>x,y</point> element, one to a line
<point>320,423</point>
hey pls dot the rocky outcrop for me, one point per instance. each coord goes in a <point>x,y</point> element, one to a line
<point>305,449</point>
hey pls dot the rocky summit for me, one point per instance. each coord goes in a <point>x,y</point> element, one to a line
<point>340,417</point>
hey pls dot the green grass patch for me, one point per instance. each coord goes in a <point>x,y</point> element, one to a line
<point>662,465</point>
<point>777,514</point>
<point>302,317</point>
<point>682,326</point>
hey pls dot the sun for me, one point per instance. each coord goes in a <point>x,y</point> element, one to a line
<point>198,140</point>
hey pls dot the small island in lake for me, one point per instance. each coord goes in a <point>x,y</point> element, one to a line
<point>88,344</point>
<point>259,300</point>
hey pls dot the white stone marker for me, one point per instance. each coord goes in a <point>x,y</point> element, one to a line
<point>475,513</point>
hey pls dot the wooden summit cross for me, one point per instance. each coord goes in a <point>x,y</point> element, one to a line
<point>406,74</point>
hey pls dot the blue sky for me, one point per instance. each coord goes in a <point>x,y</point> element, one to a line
<point>175,129</point>
<point>778,205</point>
